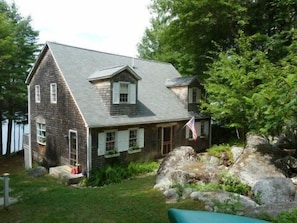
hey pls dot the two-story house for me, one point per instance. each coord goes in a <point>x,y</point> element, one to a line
<point>93,108</point>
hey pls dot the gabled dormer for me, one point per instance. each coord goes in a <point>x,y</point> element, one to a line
<point>188,90</point>
<point>118,88</point>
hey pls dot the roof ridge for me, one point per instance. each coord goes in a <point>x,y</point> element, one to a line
<point>98,51</point>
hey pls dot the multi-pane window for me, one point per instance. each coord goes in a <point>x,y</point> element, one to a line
<point>194,95</point>
<point>53,89</point>
<point>40,132</point>
<point>124,92</point>
<point>37,93</point>
<point>202,129</point>
<point>110,141</point>
<point>132,138</point>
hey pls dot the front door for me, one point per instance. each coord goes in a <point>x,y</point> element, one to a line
<point>73,151</point>
<point>166,140</point>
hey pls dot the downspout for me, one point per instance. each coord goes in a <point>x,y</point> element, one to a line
<point>29,123</point>
<point>89,151</point>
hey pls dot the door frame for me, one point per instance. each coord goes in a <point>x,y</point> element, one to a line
<point>70,134</point>
<point>170,144</point>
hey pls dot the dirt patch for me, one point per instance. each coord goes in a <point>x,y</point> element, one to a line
<point>13,163</point>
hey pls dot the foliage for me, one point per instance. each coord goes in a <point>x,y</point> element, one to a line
<point>286,217</point>
<point>218,150</point>
<point>248,92</point>
<point>245,51</point>
<point>185,32</point>
<point>232,205</point>
<point>227,182</point>
<point>232,184</point>
<point>18,45</point>
<point>110,174</point>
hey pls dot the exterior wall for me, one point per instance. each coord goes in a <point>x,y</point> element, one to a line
<point>182,93</point>
<point>152,144</point>
<point>59,117</point>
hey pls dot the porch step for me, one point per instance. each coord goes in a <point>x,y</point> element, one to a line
<point>64,172</point>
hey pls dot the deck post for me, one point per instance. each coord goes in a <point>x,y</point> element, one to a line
<point>6,190</point>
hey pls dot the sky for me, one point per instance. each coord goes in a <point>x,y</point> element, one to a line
<point>112,26</point>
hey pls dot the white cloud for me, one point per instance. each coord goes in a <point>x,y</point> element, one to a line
<point>114,26</point>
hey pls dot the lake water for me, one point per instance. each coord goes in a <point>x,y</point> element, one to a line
<point>17,136</point>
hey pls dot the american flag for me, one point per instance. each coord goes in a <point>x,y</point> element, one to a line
<point>192,127</point>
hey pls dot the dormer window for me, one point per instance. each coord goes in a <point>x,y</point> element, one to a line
<point>124,93</point>
<point>194,95</point>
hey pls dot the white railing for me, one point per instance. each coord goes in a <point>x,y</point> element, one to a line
<point>5,178</point>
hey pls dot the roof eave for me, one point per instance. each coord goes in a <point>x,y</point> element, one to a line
<point>36,64</point>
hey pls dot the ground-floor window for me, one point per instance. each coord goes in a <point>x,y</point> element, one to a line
<point>120,141</point>
<point>40,132</point>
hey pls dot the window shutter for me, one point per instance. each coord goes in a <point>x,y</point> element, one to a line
<point>206,128</point>
<point>187,132</point>
<point>190,95</point>
<point>116,93</point>
<point>199,95</point>
<point>140,138</point>
<point>132,93</point>
<point>123,141</point>
<point>101,144</point>
<point>198,128</point>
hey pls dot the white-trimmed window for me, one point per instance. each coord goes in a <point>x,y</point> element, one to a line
<point>202,128</point>
<point>194,95</point>
<point>123,93</point>
<point>110,141</point>
<point>120,141</point>
<point>53,92</point>
<point>133,138</point>
<point>40,133</point>
<point>37,93</point>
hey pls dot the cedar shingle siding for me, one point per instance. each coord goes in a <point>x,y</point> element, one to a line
<point>59,117</point>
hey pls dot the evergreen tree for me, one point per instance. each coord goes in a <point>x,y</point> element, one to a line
<point>13,71</point>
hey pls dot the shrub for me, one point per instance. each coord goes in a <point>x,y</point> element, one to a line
<point>218,150</point>
<point>116,173</point>
<point>232,184</point>
<point>286,217</point>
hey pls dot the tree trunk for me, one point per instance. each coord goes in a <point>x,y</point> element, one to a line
<point>9,133</point>
<point>1,140</point>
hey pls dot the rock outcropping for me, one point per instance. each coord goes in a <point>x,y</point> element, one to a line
<point>260,165</point>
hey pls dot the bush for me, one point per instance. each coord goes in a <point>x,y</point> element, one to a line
<point>232,184</point>
<point>286,217</point>
<point>218,150</point>
<point>116,173</point>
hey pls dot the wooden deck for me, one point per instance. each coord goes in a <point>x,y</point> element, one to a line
<point>64,172</point>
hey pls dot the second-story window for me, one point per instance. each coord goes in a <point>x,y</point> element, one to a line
<point>194,95</point>
<point>37,93</point>
<point>53,89</point>
<point>123,93</point>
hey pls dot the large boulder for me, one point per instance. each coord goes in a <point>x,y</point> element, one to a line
<point>38,171</point>
<point>273,190</point>
<point>223,201</point>
<point>172,169</point>
<point>257,161</point>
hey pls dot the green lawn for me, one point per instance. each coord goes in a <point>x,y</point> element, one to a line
<point>46,199</point>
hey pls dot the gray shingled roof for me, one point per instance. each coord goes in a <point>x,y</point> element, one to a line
<point>157,103</point>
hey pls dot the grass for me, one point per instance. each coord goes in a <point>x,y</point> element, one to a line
<point>47,199</point>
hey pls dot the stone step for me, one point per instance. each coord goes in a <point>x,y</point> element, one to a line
<point>64,172</point>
